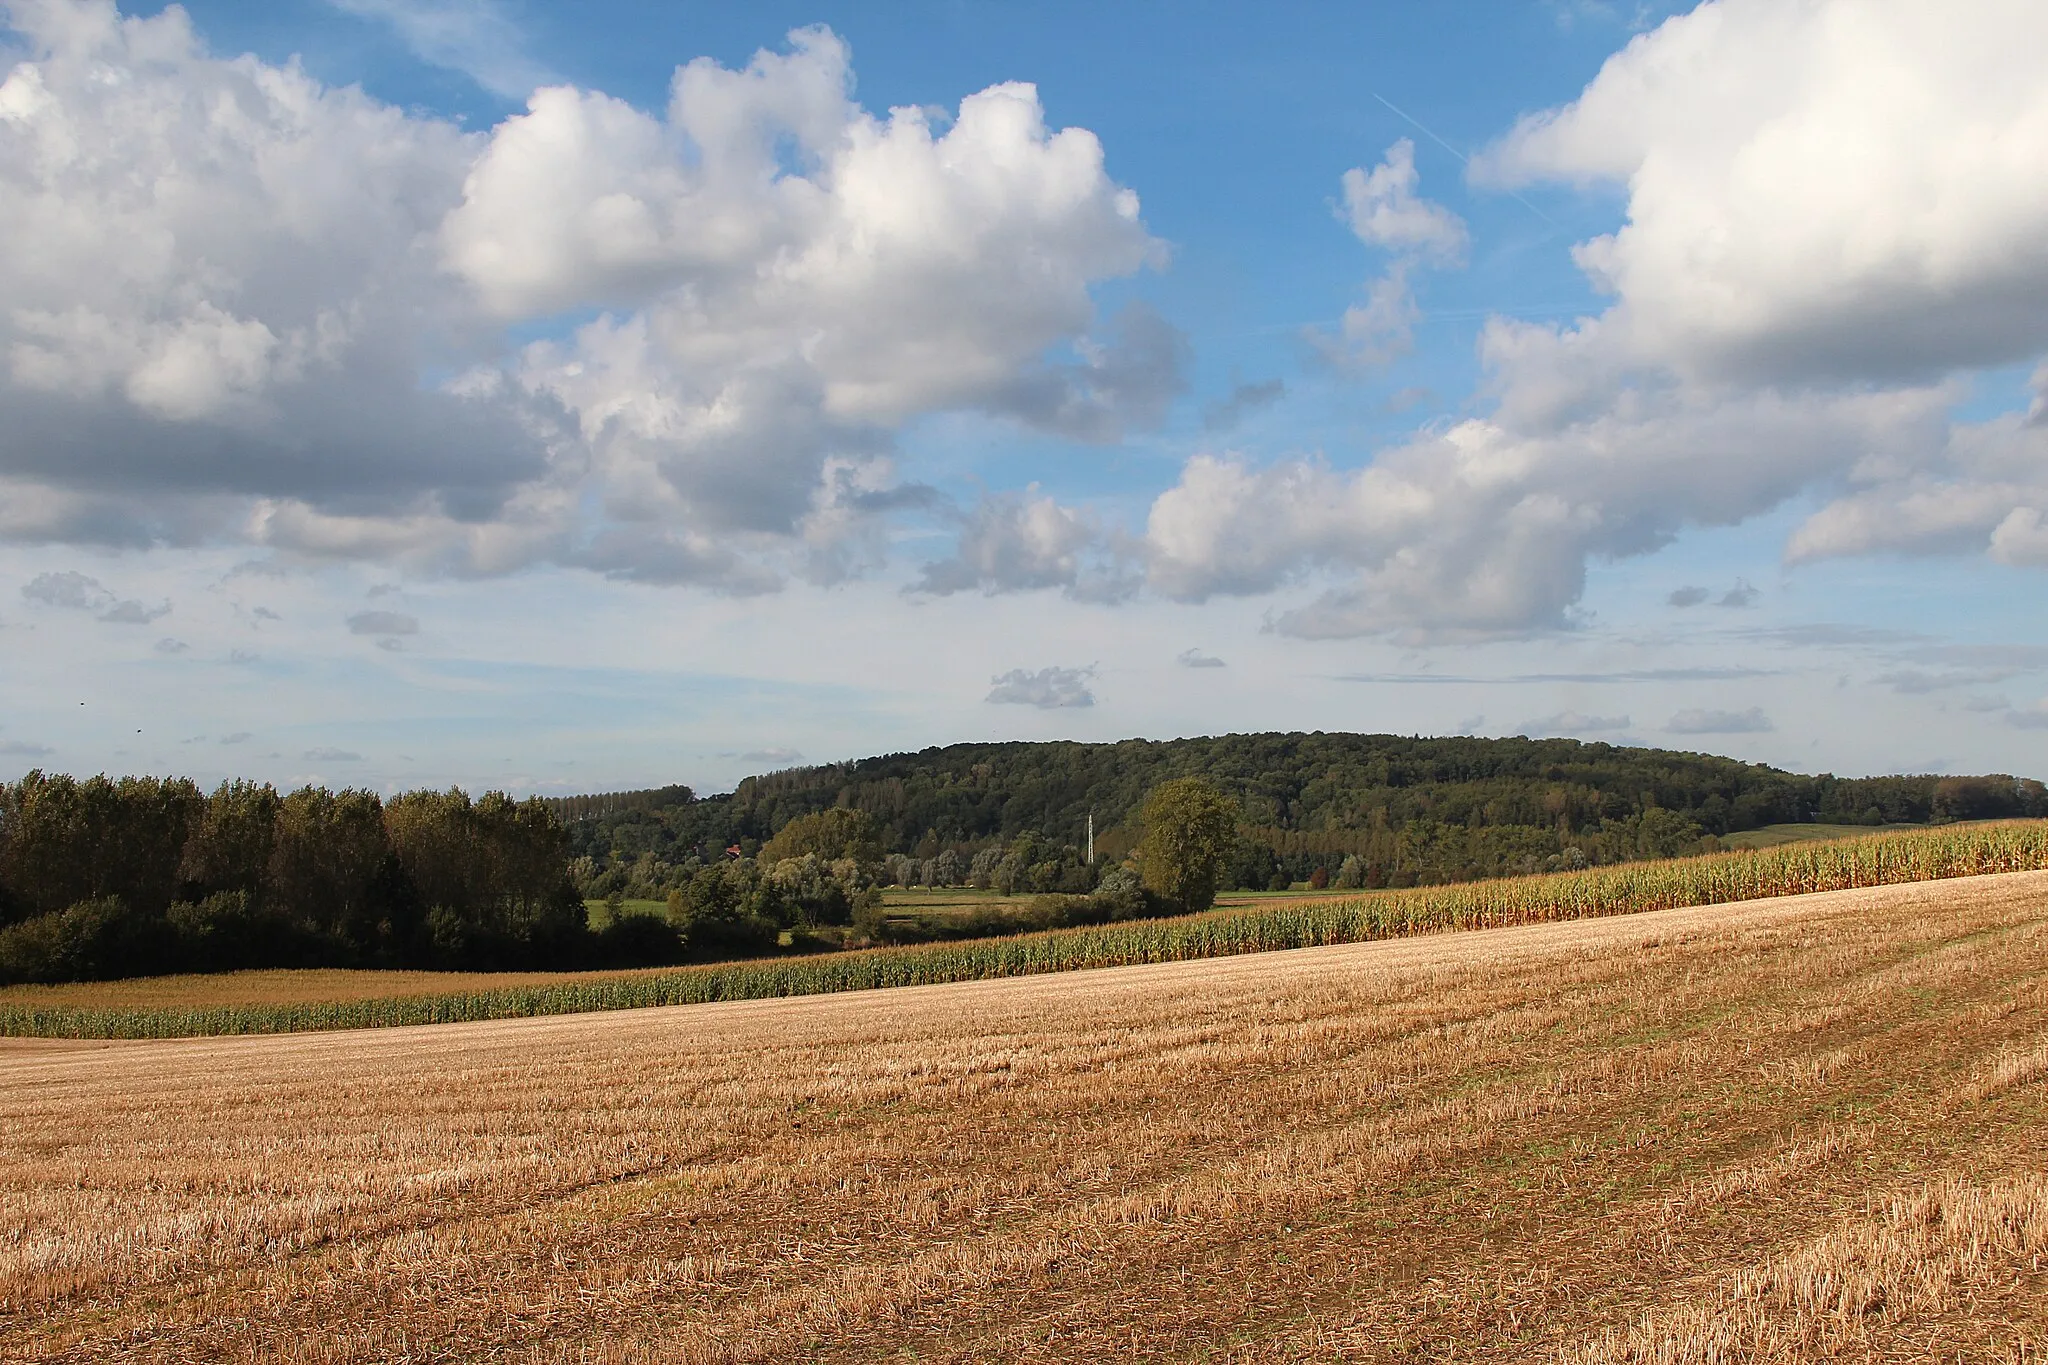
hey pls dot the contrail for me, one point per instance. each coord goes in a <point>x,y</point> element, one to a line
<point>1430,133</point>
<point>1423,128</point>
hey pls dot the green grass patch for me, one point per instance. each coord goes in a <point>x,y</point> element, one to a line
<point>600,912</point>
<point>1770,836</point>
<point>1876,860</point>
<point>939,901</point>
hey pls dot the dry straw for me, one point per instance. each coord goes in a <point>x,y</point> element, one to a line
<point>1789,869</point>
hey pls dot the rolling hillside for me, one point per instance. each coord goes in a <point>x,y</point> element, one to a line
<point>1441,809</point>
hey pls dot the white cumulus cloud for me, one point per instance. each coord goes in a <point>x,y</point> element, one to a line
<point>1384,211</point>
<point>1813,258</point>
<point>221,284</point>
<point>1821,189</point>
<point>1485,528</point>
<point>1017,542</point>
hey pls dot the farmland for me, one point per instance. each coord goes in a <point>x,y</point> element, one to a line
<point>1787,1129</point>
<point>1278,922</point>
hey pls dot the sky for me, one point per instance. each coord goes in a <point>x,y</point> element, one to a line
<point>568,398</point>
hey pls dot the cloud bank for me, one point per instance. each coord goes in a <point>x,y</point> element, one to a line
<point>221,284</point>
<point>237,305</point>
<point>1810,259</point>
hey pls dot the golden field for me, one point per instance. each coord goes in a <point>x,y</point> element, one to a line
<point>1796,1129</point>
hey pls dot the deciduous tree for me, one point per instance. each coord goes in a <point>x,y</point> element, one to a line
<point>1189,828</point>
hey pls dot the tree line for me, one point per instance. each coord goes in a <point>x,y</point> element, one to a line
<point>108,877</point>
<point>113,877</point>
<point>1411,811</point>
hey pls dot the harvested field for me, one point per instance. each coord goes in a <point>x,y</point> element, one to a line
<point>1789,1129</point>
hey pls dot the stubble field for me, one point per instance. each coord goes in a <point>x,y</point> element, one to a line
<point>1794,1129</point>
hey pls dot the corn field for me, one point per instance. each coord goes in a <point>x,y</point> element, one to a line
<point>1630,888</point>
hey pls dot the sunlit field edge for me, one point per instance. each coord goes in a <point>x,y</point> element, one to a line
<point>224,1005</point>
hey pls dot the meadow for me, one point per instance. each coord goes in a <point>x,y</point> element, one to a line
<point>219,1005</point>
<point>1794,1129</point>
<point>1770,836</point>
<point>600,912</point>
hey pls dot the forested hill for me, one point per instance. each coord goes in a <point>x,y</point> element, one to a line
<point>1306,795</point>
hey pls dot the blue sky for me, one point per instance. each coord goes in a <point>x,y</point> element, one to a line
<point>414,394</point>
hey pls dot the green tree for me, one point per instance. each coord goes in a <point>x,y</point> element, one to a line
<point>230,847</point>
<point>830,834</point>
<point>327,864</point>
<point>714,913</point>
<point>1190,828</point>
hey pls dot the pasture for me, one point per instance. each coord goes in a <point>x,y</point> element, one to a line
<point>1789,1129</point>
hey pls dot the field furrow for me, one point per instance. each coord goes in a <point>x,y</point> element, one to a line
<point>1780,1129</point>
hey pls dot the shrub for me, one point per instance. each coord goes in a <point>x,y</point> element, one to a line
<point>638,941</point>
<point>33,950</point>
<point>227,932</point>
<point>92,940</point>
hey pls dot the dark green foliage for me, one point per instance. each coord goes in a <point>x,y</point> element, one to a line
<point>1983,798</point>
<point>1413,811</point>
<point>230,848</point>
<point>138,876</point>
<point>328,864</point>
<point>33,950</point>
<point>489,875</point>
<point>1190,827</point>
<point>93,939</point>
<point>826,834</point>
<point>638,941</point>
<point>606,803</point>
<point>720,912</point>
<point>228,931</point>
<point>63,841</point>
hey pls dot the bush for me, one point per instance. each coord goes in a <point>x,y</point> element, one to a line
<point>1123,896</point>
<point>226,932</point>
<point>712,915</point>
<point>33,950</point>
<point>90,941</point>
<point>638,941</point>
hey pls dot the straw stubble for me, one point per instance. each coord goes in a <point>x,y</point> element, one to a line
<point>1786,1129</point>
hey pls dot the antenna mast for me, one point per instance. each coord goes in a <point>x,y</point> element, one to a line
<point>1091,838</point>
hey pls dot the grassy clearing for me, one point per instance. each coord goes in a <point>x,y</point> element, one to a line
<point>1770,836</point>
<point>1783,1130</point>
<point>600,912</point>
<point>1885,859</point>
<point>941,899</point>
